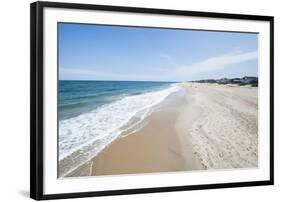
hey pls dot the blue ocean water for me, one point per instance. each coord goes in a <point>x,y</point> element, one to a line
<point>92,114</point>
<point>77,97</point>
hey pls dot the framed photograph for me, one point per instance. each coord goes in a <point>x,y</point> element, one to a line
<point>129,100</point>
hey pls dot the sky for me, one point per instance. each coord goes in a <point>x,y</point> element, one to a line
<point>97,52</point>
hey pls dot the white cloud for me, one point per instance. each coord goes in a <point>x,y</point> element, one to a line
<point>89,74</point>
<point>82,73</point>
<point>168,59</point>
<point>174,72</point>
<point>216,63</point>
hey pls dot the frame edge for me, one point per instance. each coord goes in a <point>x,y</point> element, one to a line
<point>84,6</point>
<point>36,101</point>
<point>271,90</point>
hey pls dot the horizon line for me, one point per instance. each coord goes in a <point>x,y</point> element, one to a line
<point>114,80</point>
<point>154,80</point>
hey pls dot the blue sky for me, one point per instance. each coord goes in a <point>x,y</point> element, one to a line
<point>96,52</point>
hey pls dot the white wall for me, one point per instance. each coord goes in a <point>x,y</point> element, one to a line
<point>14,100</point>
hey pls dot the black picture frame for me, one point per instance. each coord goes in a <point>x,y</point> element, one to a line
<point>36,98</point>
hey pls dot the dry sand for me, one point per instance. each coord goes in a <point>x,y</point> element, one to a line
<point>225,135</point>
<point>212,127</point>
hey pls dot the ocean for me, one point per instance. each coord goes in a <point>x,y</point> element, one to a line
<point>92,114</point>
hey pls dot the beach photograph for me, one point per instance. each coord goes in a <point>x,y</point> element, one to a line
<point>140,100</point>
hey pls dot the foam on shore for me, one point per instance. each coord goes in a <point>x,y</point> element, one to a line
<point>83,137</point>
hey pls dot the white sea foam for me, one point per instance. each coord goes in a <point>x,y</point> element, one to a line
<point>83,137</point>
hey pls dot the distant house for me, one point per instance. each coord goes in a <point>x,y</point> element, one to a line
<point>247,80</point>
<point>224,81</point>
<point>210,81</point>
<point>250,79</point>
<point>206,81</point>
<point>236,81</point>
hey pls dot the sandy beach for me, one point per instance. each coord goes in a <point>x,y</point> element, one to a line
<point>210,127</point>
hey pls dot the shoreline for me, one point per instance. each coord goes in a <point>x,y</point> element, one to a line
<point>82,137</point>
<point>187,134</point>
<point>152,148</point>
